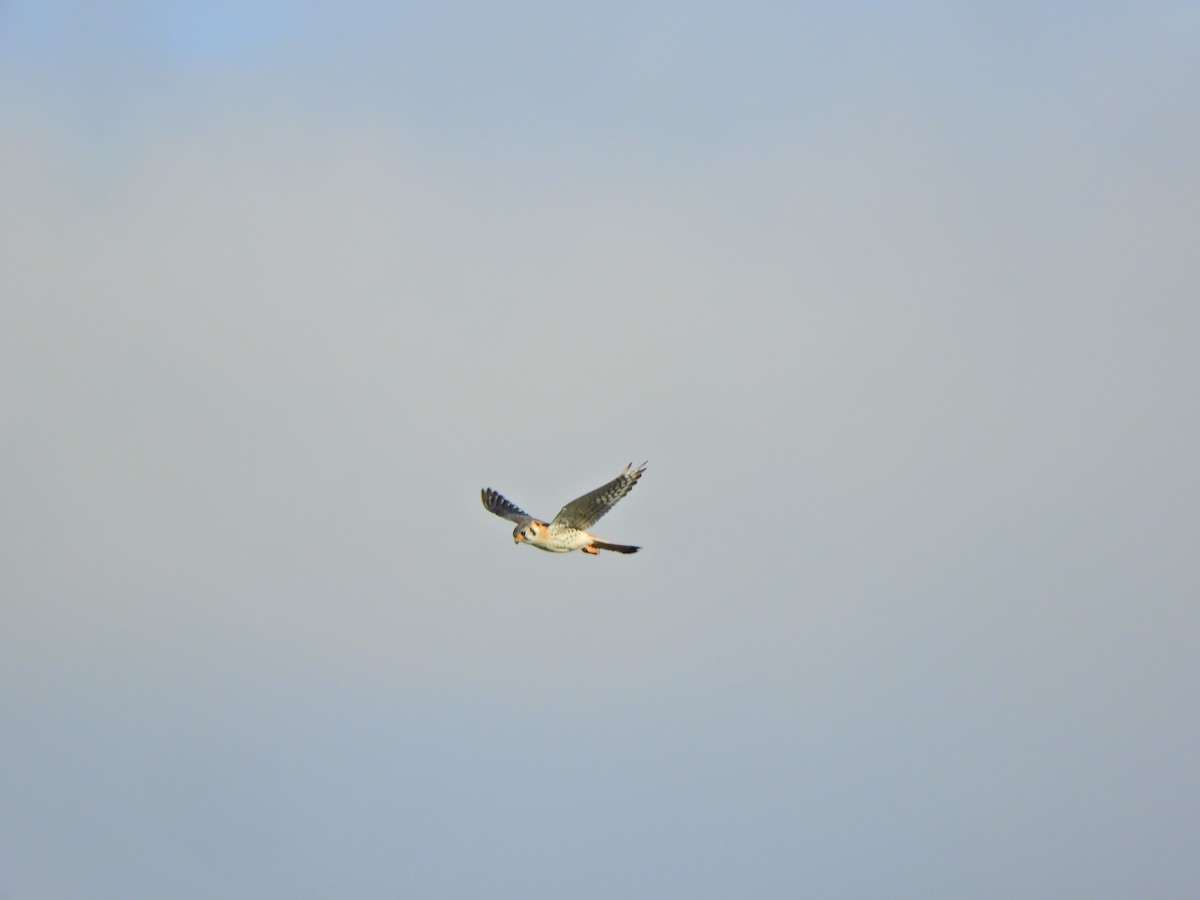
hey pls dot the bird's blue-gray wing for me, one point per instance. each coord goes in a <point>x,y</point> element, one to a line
<point>583,512</point>
<point>497,505</point>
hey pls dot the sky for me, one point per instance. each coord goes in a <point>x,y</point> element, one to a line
<point>900,301</point>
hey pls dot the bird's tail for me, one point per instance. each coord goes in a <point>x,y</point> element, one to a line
<point>619,548</point>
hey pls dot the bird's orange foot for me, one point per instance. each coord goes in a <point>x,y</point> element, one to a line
<point>592,550</point>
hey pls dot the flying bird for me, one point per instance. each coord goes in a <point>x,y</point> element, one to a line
<point>568,530</point>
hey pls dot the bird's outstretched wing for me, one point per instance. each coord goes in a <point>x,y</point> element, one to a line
<point>584,512</point>
<point>496,504</point>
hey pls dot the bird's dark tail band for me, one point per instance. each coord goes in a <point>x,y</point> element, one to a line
<point>618,548</point>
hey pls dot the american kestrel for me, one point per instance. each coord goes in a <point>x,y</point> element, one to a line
<point>567,531</point>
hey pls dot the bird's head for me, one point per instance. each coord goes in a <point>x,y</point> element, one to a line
<point>527,532</point>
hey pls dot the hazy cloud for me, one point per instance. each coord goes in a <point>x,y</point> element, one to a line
<point>901,309</point>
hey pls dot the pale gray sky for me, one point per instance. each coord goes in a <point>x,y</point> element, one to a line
<point>900,302</point>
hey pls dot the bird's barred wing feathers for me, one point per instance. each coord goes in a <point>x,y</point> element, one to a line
<point>584,512</point>
<point>496,504</point>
